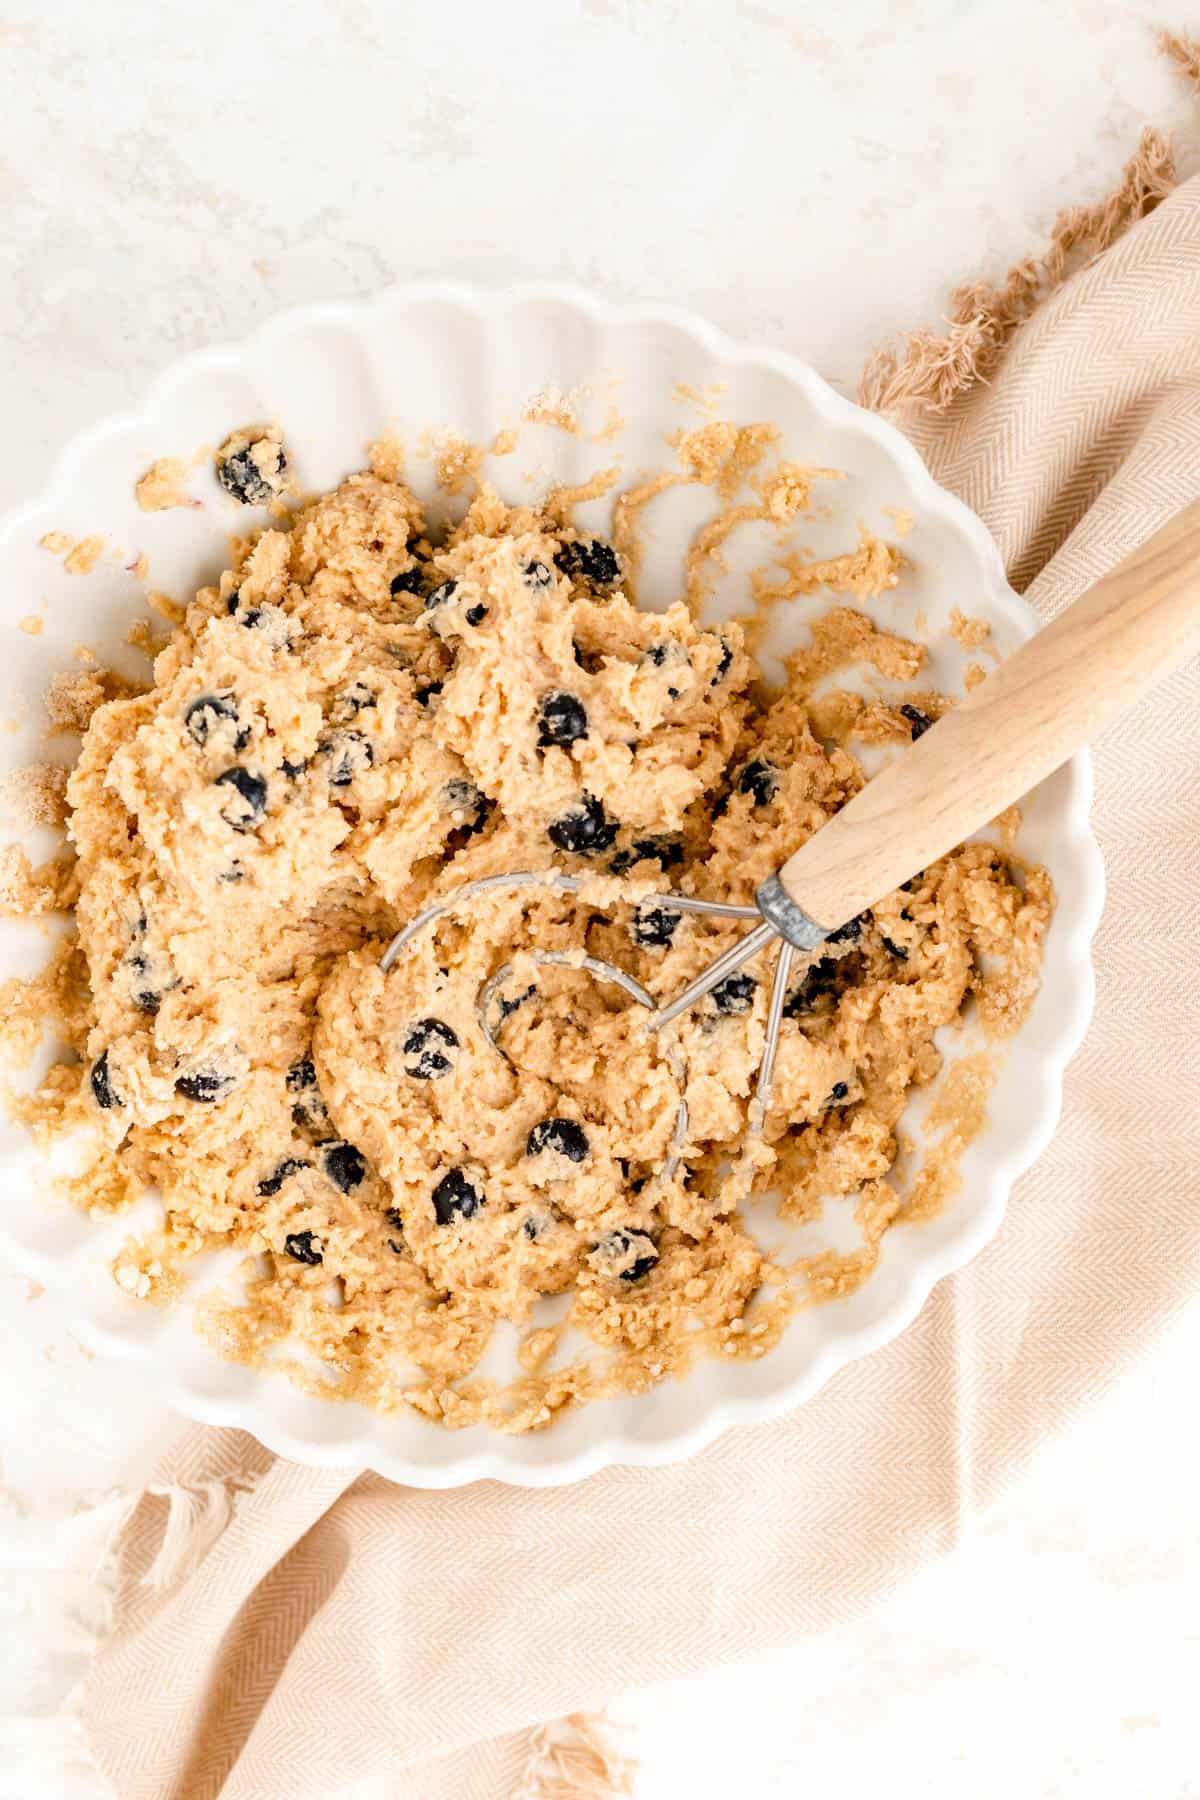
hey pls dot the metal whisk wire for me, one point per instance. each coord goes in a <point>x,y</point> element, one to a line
<point>659,1016</point>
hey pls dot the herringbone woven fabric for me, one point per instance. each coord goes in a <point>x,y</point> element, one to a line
<point>347,1637</point>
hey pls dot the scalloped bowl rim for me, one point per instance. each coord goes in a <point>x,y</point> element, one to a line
<point>494,1459</point>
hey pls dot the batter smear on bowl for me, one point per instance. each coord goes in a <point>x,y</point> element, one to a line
<point>357,720</point>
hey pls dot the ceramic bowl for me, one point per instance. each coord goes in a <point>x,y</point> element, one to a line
<point>432,357</point>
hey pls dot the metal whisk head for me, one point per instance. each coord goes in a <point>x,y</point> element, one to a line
<point>763,934</point>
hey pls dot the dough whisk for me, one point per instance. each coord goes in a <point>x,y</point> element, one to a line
<point>1137,624</point>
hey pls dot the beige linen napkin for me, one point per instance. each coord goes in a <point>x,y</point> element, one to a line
<point>343,1636</point>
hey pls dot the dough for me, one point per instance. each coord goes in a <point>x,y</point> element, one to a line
<point>353,723</point>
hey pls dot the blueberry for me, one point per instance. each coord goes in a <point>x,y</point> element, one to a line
<point>103,1091</point>
<point>291,1165</point>
<point>584,831</point>
<point>538,575</point>
<point>350,702</point>
<point>455,1198</point>
<point>561,1135</point>
<point>760,780</point>
<point>205,1085</point>
<point>920,722</point>
<point>475,615</point>
<point>849,933</point>
<point>408,581</point>
<point>395,1219</point>
<point>735,994</point>
<point>302,1245</point>
<point>249,807</point>
<point>425,1049</point>
<point>725,664</point>
<point>344,1165</point>
<point>821,978</point>
<point>241,476</point>
<point>309,1109</point>
<point>464,797</point>
<point>561,720</point>
<point>654,926</point>
<point>150,977</point>
<point>508,1007</point>
<point>233,601</point>
<point>630,1254</point>
<point>593,561</point>
<point>293,770</point>
<point>663,850</point>
<point>440,595</point>
<point>271,620</point>
<point>658,654</point>
<point>350,754</point>
<point>423,695</point>
<point>533,1225</point>
<point>205,714</point>
<point>837,1093</point>
<point>896,950</point>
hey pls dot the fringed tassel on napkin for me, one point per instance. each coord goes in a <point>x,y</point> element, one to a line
<point>932,369</point>
<point>574,1760</point>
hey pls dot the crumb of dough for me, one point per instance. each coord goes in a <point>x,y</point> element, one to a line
<point>959,1113</point>
<point>252,465</point>
<point>1008,824</point>
<point>165,607</point>
<point>319,763</point>
<point>139,568</point>
<point>868,571</point>
<point>969,632</point>
<point>29,893</point>
<point>614,424</point>
<point>71,698</point>
<point>537,1347</point>
<point>385,456</point>
<point>56,542</point>
<point>84,557</point>
<point>140,633</point>
<point>704,399</point>
<point>783,494</point>
<point>32,624</point>
<point>901,518</point>
<point>83,653</point>
<point>722,455</point>
<point>843,637</point>
<point>973,674</point>
<point>161,487</point>
<point>561,502</point>
<point>504,443</point>
<point>553,407</point>
<point>457,465</point>
<point>37,794</point>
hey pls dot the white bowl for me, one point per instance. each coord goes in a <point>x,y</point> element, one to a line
<point>445,355</point>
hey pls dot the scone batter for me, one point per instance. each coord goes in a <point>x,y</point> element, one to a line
<point>357,721</point>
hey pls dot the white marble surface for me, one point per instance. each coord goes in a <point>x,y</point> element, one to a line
<point>808,175</point>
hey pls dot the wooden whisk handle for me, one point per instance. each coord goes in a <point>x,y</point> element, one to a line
<point>1136,625</point>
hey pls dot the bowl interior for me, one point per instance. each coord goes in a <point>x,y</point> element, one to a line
<point>416,365</point>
